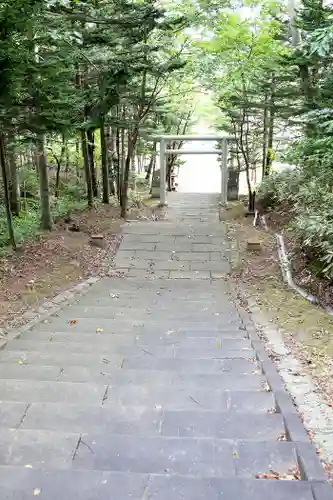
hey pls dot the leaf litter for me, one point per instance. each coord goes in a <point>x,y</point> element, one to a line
<point>45,266</point>
<point>290,475</point>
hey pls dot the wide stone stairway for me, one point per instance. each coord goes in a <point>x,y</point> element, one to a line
<point>152,385</point>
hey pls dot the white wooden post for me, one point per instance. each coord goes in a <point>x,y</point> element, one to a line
<point>162,173</point>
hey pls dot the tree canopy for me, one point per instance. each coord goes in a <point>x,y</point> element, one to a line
<point>87,84</point>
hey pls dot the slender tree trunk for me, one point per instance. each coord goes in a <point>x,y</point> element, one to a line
<point>91,149</point>
<point>77,158</point>
<point>264,139</point>
<point>270,154</point>
<point>87,171</point>
<point>169,172</point>
<point>109,157</point>
<point>6,192</point>
<point>151,163</point>
<point>46,217</point>
<point>133,162</point>
<point>304,71</point>
<point>124,191</point>
<point>152,175</point>
<point>59,163</point>
<point>119,183</point>
<point>13,181</point>
<point>122,162</point>
<point>67,162</point>
<point>130,148</point>
<point>57,181</point>
<point>104,157</point>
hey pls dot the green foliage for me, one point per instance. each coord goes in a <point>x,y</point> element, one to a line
<point>71,71</point>
<point>26,226</point>
<point>309,206</point>
<point>279,189</point>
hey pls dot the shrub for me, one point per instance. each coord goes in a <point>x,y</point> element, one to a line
<point>279,188</point>
<point>310,201</point>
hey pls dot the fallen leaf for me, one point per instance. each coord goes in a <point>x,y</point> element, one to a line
<point>99,330</point>
<point>290,475</point>
<point>51,339</point>
<point>73,322</point>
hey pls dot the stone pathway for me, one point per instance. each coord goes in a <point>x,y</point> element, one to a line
<point>153,386</point>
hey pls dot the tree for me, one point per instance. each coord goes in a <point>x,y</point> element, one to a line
<point>243,59</point>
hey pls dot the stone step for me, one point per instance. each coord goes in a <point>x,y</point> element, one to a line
<point>59,358</point>
<point>184,343</point>
<point>166,392</point>
<point>19,483</point>
<point>142,336</point>
<point>203,457</point>
<point>136,420</point>
<point>149,313</point>
<point>57,355</point>
<point>206,253</point>
<point>151,321</point>
<point>106,373</point>
<point>31,391</point>
<point>232,402</point>
<point>90,325</point>
<point>156,305</point>
<point>186,365</point>
<point>190,393</point>
<point>105,345</point>
<point>167,285</point>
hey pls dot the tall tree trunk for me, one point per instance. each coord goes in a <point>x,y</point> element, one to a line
<point>119,183</point>
<point>87,171</point>
<point>132,138</point>
<point>104,158</point>
<point>67,161</point>
<point>46,217</point>
<point>151,163</point>
<point>304,71</point>
<point>270,139</point>
<point>110,156</point>
<point>124,190</point>
<point>152,175</point>
<point>6,192</point>
<point>59,163</point>
<point>169,165</point>
<point>91,149</point>
<point>122,163</point>
<point>13,181</point>
<point>264,138</point>
<point>77,158</point>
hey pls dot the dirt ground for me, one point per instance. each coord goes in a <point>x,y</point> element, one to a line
<point>307,328</point>
<point>52,263</point>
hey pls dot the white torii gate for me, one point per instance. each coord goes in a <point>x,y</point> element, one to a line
<point>164,139</point>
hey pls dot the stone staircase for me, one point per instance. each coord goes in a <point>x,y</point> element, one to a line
<point>153,385</point>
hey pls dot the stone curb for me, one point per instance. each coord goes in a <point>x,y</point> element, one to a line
<point>322,490</point>
<point>48,309</point>
<point>310,466</point>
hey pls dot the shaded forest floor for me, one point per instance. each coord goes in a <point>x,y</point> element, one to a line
<point>307,329</point>
<point>53,262</point>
